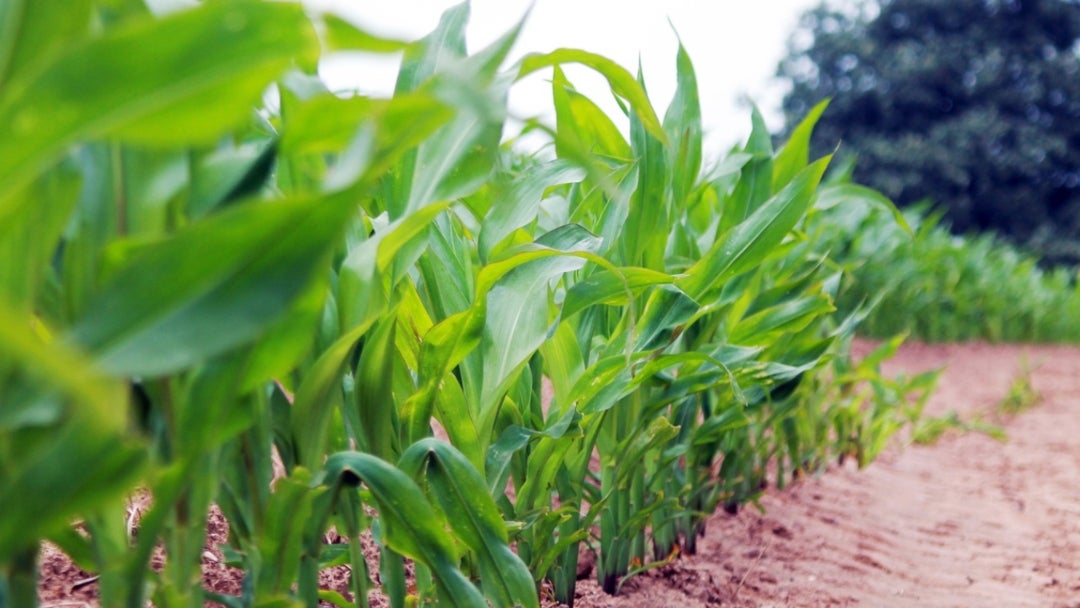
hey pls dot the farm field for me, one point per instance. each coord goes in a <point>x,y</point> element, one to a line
<point>310,347</point>
<point>968,521</point>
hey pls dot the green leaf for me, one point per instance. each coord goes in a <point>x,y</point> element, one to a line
<point>622,83</point>
<point>342,35</point>
<point>583,125</point>
<point>648,225</point>
<point>457,159</point>
<point>167,309</point>
<point>682,122</point>
<point>210,65</point>
<point>281,541</point>
<point>65,445</point>
<point>754,186</point>
<point>362,286</point>
<point>788,317</point>
<point>28,240</point>
<point>750,242</point>
<point>795,154</point>
<point>834,195</point>
<point>327,123</point>
<point>611,288</point>
<point>33,32</point>
<point>666,311</point>
<point>474,518</point>
<point>444,346</point>
<point>518,203</point>
<point>228,175</point>
<point>518,317</point>
<point>409,524</point>
<point>374,381</point>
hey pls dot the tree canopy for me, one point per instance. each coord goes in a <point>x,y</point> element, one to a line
<point>974,104</point>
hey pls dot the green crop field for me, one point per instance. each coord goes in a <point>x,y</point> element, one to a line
<point>342,312</point>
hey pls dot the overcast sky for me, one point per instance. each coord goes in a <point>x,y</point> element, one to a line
<point>735,46</point>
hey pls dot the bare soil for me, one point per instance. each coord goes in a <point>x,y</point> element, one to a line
<point>968,521</point>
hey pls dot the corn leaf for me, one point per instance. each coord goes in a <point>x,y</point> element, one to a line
<point>474,518</point>
<point>517,319</point>
<point>682,122</point>
<point>748,243</point>
<point>64,428</point>
<point>32,32</point>
<point>409,524</point>
<point>795,154</point>
<point>755,178</point>
<point>257,258</point>
<point>582,125</point>
<point>210,66</point>
<point>622,83</point>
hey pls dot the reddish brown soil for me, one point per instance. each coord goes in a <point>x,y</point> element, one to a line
<point>968,521</point>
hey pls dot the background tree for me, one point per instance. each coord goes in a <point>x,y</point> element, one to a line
<point>974,104</point>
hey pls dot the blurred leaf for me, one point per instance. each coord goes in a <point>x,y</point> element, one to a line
<point>257,258</point>
<point>834,195</point>
<point>342,35</point>
<point>228,175</point>
<point>29,238</point>
<point>789,317</point>
<point>210,66</point>
<point>72,460</point>
<point>33,32</point>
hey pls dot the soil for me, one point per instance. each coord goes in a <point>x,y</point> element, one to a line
<point>968,521</point>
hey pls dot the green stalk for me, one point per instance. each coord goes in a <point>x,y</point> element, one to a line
<point>18,580</point>
<point>607,561</point>
<point>392,574</point>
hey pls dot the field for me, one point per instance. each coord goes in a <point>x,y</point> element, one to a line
<point>381,355</point>
<point>968,521</point>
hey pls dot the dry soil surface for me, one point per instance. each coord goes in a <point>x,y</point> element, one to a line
<point>968,521</point>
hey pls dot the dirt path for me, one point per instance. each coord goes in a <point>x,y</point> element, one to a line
<point>966,522</point>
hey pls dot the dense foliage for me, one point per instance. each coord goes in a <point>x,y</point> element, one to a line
<point>941,287</point>
<point>274,309</point>
<point>974,104</point>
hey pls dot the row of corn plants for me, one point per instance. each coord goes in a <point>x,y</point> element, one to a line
<point>274,309</point>
<point>943,287</point>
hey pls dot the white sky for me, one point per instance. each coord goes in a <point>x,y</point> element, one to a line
<point>735,46</point>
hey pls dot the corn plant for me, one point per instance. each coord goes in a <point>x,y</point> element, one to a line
<point>276,309</point>
<point>941,287</point>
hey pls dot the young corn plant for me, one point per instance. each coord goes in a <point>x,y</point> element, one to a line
<point>277,310</point>
<point>941,287</point>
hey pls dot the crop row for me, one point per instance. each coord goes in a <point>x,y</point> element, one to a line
<point>276,311</point>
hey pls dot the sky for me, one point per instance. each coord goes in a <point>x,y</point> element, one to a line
<point>734,45</point>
